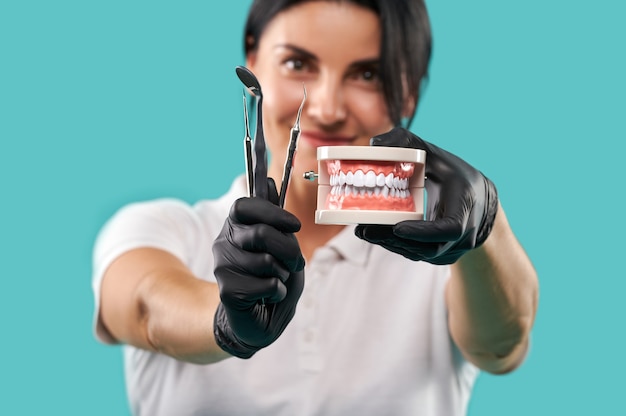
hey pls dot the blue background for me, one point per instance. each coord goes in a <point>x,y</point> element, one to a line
<point>104,103</point>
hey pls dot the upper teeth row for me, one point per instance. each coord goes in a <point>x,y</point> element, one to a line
<point>369,180</point>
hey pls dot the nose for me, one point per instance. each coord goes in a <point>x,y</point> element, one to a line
<point>326,101</point>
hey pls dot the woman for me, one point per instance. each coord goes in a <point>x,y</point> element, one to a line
<point>397,321</point>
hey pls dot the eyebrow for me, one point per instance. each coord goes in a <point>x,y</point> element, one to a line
<point>298,50</point>
<point>309,55</point>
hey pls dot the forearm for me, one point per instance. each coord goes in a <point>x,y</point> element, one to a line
<point>152,301</point>
<point>178,317</point>
<point>492,300</point>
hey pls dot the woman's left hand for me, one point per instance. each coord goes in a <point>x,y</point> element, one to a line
<point>461,207</point>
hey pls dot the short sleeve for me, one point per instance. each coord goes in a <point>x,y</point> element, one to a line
<point>167,224</point>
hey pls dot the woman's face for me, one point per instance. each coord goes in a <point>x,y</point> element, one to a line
<point>333,49</point>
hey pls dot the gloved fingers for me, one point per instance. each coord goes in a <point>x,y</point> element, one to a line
<point>375,233</point>
<point>381,235</point>
<point>398,137</point>
<point>268,290</point>
<point>262,238</point>
<point>256,211</point>
<point>423,251</point>
<point>295,285</point>
<point>272,192</point>
<point>384,236</point>
<point>241,288</point>
<point>274,291</point>
<point>443,230</point>
<point>236,261</point>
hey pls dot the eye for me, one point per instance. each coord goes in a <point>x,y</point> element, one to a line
<point>368,75</point>
<point>296,64</point>
<point>298,67</point>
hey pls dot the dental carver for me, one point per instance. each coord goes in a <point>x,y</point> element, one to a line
<point>235,306</point>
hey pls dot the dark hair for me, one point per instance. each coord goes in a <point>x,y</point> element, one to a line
<point>406,44</point>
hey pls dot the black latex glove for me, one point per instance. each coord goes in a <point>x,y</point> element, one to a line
<point>461,207</point>
<point>260,273</point>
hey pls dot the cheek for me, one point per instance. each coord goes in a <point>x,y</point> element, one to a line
<point>371,112</point>
<point>280,104</point>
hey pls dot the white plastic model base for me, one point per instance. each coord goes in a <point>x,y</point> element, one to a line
<point>369,185</point>
<point>364,216</point>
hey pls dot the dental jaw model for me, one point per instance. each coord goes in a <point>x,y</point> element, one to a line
<point>369,185</point>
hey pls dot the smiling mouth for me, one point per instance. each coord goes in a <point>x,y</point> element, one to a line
<point>367,185</point>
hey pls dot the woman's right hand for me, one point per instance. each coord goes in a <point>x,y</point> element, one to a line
<point>260,272</point>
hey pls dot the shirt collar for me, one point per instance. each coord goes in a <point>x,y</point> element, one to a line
<point>350,247</point>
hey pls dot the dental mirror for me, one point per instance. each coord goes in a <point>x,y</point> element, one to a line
<point>260,155</point>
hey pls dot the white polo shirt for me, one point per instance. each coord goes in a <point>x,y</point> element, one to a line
<point>369,336</point>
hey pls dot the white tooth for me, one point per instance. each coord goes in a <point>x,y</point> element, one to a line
<point>350,178</point>
<point>370,179</point>
<point>355,191</point>
<point>396,182</point>
<point>380,179</point>
<point>370,192</point>
<point>359,178</point>
<point>403,194</point>
<point>332,180</point>
<point>392,193</point>
<point>342,178</point>
<point>404,183</point>
<point>362,191</point>
<point>377,191</point>
<point>389,180</point>
<point>333,190</point>
<point>385,192</point>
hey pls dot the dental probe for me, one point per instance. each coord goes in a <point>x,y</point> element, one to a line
<point>247,142</point>
<point>291,151</point>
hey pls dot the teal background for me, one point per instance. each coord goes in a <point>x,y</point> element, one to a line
<point>104,103</point>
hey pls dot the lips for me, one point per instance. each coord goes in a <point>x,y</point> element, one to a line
<point>320,139</point>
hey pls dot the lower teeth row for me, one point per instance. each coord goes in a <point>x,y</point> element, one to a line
<point>384,191</point>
